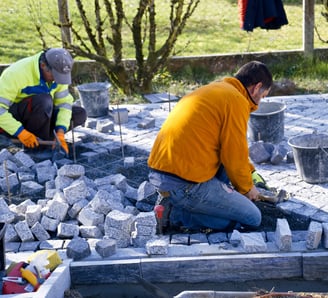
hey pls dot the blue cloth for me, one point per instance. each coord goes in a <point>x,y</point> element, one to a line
<point>212,204</point>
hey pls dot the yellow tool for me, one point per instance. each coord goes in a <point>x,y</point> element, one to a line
<point>30,277</point>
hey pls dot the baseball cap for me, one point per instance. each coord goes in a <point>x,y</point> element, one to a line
<point>61,63</point>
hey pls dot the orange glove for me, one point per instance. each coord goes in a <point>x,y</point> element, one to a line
<point>28,139</point>
<point>61,137</point>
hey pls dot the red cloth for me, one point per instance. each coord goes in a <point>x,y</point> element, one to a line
<point>242,6</point>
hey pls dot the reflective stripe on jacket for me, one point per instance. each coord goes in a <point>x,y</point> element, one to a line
<point>22,79</point>
<point>207,128</point>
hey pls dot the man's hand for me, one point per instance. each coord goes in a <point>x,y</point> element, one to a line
<point>61,138</point>
<point>28,139</point>
<point>259,181</point>
<point>253,194</point>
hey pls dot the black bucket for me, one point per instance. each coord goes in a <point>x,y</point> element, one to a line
<point>95,98</point>
<point>311,157</point>
<point>267,123</point>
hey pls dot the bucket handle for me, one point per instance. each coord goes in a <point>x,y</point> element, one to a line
<point>259,134</point>
<point>323,150</point>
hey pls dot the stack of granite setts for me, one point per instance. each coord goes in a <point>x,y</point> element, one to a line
<point>53,200</point>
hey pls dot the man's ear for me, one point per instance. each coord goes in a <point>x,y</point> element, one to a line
<point>254,89</point>
<point>44,66</point>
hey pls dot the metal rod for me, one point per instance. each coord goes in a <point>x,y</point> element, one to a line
<point>119,124</point>
<point>7,181</point>
<point>73,141</point>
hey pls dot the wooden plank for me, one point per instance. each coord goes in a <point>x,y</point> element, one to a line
<point>223,268</point>
<point>315,266</point>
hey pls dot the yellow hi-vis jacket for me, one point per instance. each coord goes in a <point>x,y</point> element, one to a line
<point>207,128</point>
<point>23,79</point>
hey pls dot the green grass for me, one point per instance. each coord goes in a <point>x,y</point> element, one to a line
<point>213,29</point>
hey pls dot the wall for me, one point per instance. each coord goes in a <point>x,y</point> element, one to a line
<point>88,71</point>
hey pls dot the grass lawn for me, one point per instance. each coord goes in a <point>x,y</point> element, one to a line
<point>213,29</point>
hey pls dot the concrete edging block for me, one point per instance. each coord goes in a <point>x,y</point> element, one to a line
<point>315,266</point>
<point>223,268</point>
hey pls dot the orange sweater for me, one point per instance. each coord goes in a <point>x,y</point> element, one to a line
<point>207,128</point>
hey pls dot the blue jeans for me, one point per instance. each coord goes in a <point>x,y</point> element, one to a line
<point>212,204</point>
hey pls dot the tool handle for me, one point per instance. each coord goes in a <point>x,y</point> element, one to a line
<point>273,200</point>
<point>30,277</point>
<point>41,142</point>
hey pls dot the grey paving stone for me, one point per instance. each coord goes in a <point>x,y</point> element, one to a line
<point>10,184</point>
<point>106,248</point>
<point>215,238</point>
<point>157,246</point>
<point>253,242</point>
<point>50,224</point>
<point>31,188</point>
<point>88,217</point>
<point>72,171</point>
<point>235,238</point>
<point>283,235</point>
<point>33,214</point>
<point>29,246</point>
<point>325,235</point>
<point>11,234</point>
<point>180,239</point>
<point>6,215</point>
<point>78,249</point>
<point>147,123</point>
<point>119,220</point>
<point>90,232</point>
<point>39,232</point>
<point>52,244</point>
<point>57,210</point>
<point>196,238</point>
<point>24,232</point>
<point>13,246</point>
<point>67,230</point>
<point>314,235</point>
<point>77,207</point>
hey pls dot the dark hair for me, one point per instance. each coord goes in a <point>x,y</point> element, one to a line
<point>254,72</point>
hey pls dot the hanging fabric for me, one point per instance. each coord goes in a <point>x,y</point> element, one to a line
<point>266,14</point>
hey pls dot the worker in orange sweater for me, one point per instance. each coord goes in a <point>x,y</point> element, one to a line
<point>199,161</point>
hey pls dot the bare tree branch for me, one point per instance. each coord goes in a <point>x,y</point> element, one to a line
<point>103,30</point>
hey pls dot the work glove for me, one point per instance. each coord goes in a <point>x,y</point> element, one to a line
<point>60,137</point>
<point>259,181</point>
<point>28,139</point>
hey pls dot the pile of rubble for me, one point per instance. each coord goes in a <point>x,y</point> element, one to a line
<point>73,205</point>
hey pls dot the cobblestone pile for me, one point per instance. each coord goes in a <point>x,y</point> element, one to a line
<point>73,205</point>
